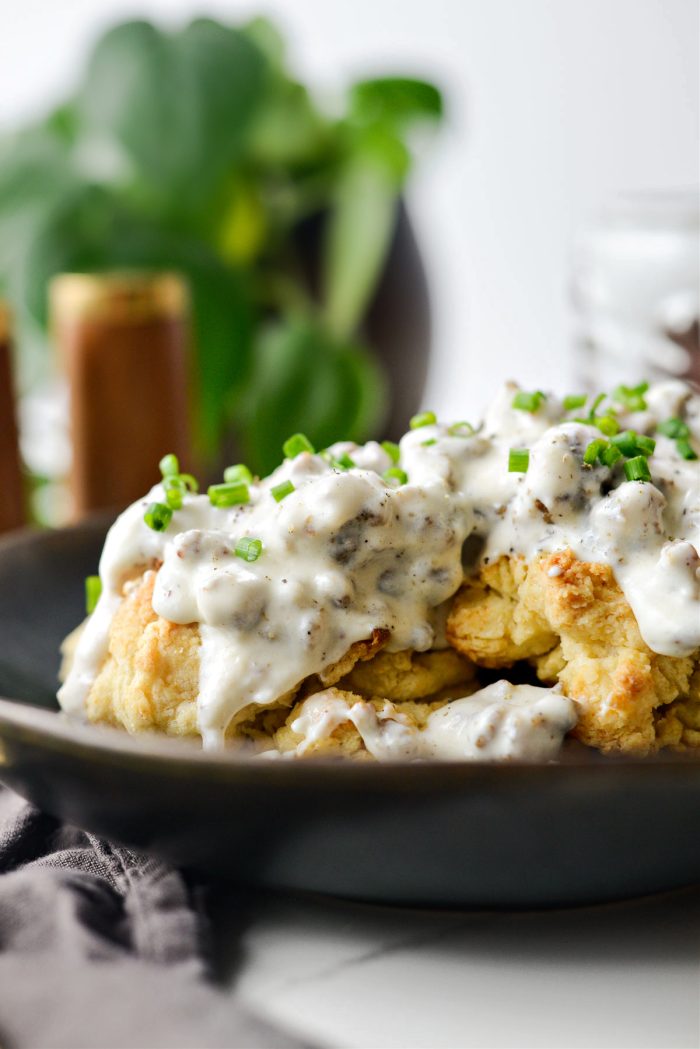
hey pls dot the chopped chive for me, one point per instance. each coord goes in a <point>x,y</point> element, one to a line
<point>626,442</point>
<point>343,462</point>
<point>674,427</point>
<point>248,548</point>
<point>685,449</point>
<point>395,476</point>
<point>233,494</point>
<point>236,474</point>
<point>637,469</point>
<point>593,450</point>
<point>574,400</point>
<point>528,402</point>
<point>392,450</point>
<point>606,424</point>
<point>281,491</point>
<point>518,460</point>
<point>646,445</point>
<point>190,482</point>
<point>158,516</point>
<point>174,483</point>
<point>609,455</point>
<point>296,444</point>
<point>173,497</point>
<point>423,419</point>
<point>631,397</point>
<point>429,442</point>
<point>631,443</point>
<point>461,429</point>
<point>93,589</point>
<point>596,405</point>
<point>169,465</point>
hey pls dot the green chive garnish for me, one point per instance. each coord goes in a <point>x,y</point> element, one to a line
<point>233,494</point>
<point>93,589</point>
<point>518,460</point>
<point>632,397</point>
<point>596,405</point>
<point>631,443</point>
<point>296,444</point>
<point>174,499</point>
<point>528,402</point>
<point>685,449</point>
<point>392,450</point>
<point>646,445</point>
<point>680,432</point>
<point>281,491</point>
<point>674,427</point>
<point>169,465</point>
<point>423,419</point>
<point>609,455</point>
<point>606,424</point>
<point>593,450</point>
<point>158,516</point>
<point>248,548</point>
<point>461,429</point>
<point>190,482</point>
<point>175,488</point>
<point>637,469</point>
<point>343,462</point>
<point>429,442</point>
<point>626,442</point>
<point>574,400</point>
<point>395,476</point>
<point>237,474</point>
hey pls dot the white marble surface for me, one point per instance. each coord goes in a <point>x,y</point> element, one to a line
<point>341,974</point>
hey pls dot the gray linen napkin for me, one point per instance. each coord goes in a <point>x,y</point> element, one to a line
<point>104,949</point>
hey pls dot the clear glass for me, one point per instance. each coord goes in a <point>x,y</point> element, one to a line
<point>636,291</point>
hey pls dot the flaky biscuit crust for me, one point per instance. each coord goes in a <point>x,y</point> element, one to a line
<point>401,676</point>
<point>571,621</point>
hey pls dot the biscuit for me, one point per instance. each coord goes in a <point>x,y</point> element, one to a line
<point>570,620</point>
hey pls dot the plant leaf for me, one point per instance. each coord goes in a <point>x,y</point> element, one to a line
<point>304,380</point>
<point>396,100</point>
<point>177,106</point>
<point>360,228</point>
<point>226,72</point>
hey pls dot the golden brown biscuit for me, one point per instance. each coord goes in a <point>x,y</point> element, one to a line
<point>150,679</point>
<point>570,619</point>
<point>358,652</point>
<point>678,725</point>
<point>409,675</point>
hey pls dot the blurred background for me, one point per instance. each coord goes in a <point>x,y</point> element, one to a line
<point>376,206</point>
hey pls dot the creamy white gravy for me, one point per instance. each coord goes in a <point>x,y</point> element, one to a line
<point>502,722</point>
<point>346,553</point>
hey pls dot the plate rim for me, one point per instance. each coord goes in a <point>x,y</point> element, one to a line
<point>39,727</point>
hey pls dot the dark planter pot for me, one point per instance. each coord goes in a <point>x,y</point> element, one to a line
<point>398,325</point>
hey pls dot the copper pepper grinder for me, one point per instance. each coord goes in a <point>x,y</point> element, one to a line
<point>12,504</point>
<point>123,343</point>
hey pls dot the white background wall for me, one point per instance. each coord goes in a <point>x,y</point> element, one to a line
<point>554,105</point>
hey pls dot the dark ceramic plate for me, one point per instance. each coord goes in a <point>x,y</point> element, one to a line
<point>583,830</point>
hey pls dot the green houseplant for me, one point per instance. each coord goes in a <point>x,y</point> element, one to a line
<point>198,150</point>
